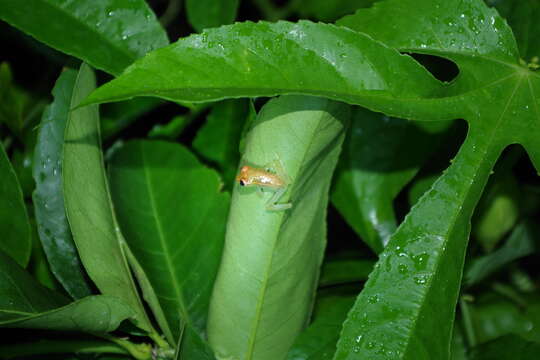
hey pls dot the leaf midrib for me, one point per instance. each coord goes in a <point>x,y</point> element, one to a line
<point>161,237</point>
<point>453,221</point>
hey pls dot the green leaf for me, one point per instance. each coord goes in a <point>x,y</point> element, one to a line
<point>45,347</point>
<point>268,274</point>
<point>522,16</point>
<point>88,205</point>
<point>318,341</point>
<point>16,238</point>
<point>108,34</point>
<point>414,287</point>
<point>21,294</point>
<point>520,243</point>
<point>498,210</point>
<point>263,59</point>
<point>118,116</point>
<point>381,155</point>
<point>192,346</point>
<point>48,197</point>
<point>497,317</point>
<point>328,11</point>
<point>218,139</point>
<point>13,101</point>
<point>510,347</point>
<point>173,214</point>
<point>203,14</point>
<point>341,271</point>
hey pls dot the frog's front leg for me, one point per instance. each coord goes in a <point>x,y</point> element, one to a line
<point>272,204</point>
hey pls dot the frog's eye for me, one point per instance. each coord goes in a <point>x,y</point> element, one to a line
<point>242,183</point>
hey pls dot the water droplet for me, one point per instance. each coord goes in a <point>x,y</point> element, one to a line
<point>46,205</point>
<point>359,338</point>
<point>47,232</point>
<point>373,299</point>
<point>402,269</point>
<point>420,279</point>
<point>110,13</point>
<point>356,349</point>
<point>371,345</point>
<point>55,171</point>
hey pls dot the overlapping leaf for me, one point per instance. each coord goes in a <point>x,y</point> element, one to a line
<point>173,214</point>
<point>48,197</point>
<point>108,34</point>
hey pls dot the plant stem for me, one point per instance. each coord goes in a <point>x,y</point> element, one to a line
<point>142,351</point>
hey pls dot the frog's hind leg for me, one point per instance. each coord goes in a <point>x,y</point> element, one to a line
<point>276,166</point>
<point>272,205</point>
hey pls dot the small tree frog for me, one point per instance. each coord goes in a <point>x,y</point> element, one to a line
<point>266,179</point>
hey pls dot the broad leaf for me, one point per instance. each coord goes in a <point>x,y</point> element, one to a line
<point>263,59</point>
<point>14,224</point>
<point>218,139</point>
<point>88,205</point>
<point>415,282</point>
<point>173,214</point>
<point>318,341</point>
<point>108,34</point>
<point>268,274</point>
<point>48,197</point>
<point>203,14</point>
<point>381,155</point>
<point>27,304</point>
<point>192,346</point>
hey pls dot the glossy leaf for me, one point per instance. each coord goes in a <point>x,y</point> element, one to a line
<point>192,346</point>
<point>88,206</point>
<point>203,14</point>
<point>522,16</point>
<point>108,34</point>
<point>318,341</point>
<point>48,197</point>
<point>263,59</point>
<point>173,214</point>
<point>415,282</point>
<point>521,242</point>
<point>268,274</point>
<point>381,155</point>
<point>14,224</point>
<point>218,139</point>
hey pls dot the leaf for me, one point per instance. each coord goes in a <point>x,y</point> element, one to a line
<point>520,243</point>
<point>218,139</point>
<point>328,11</point>
<point>88,205</point>
<point>263,59</point>
<point>522,15</point>
<point>45,346</point>
<point>203,14</point>
<point>16,238</point>
<point>20,293</point>
<point>108,34</point>
<point>13,101</point>
<point>341,271</point>
<point>265,287</point>
<point>319,340</point>
<point>417,278</point>
<point>192,346</point>
<point>118,116</point>
<point>510,347</point>
<point>495,318</point>
<point>173,214</point>
<point>381,155</point>
<point>48,197</point>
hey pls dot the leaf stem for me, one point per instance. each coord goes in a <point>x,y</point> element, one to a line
<point>142,351</point>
